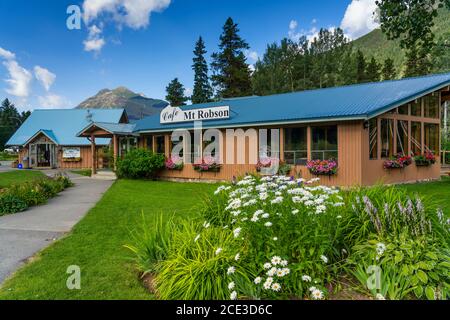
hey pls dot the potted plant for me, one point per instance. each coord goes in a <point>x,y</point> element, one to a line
<point>263,163</point>
<point>322,167</point>
<point>425,160</point>
<point>174,163</point>
<point>208,164</point>
<point>398,162</point>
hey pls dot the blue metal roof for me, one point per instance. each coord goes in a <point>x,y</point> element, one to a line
<point>114,128</point>
<point>63,125</point>
<point>361,101</point>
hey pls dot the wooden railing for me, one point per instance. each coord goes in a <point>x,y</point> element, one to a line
<point>445,158</point>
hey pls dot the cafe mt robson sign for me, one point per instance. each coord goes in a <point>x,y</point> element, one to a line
<point>175,114</point>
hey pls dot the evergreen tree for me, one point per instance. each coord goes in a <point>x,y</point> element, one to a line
<point>10,120</point>
<point>373,70</point>
<point>231,73</point>
<point>360,67</point>
<point>175,94</point>
<point>202,89</point>
<point>388,71</point>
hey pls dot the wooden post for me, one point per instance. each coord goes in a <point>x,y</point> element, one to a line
<point>116,150</point>
<point>94,168</point>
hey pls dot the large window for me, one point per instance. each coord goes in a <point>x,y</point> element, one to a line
<point>373,138</point>
<point>416,108</point>
<point>387,138</point>
<point>431,106</point>
<point>402,137</point>
<point>295,146</point>
<point>416,138</point>
<point>432,137</point>
<point>324,143</point>
<point>160,145</point>
<point>404,109</point>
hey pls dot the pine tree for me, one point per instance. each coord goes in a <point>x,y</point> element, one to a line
<point>175,94</point>
<point>202,89</point>
<point>231,73</point>
<point>360,67</point>
<point>373,70</point>
<point>388,71</point>
<point>10,120</point>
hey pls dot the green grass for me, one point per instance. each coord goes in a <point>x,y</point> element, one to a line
<point>17,176</point>
<point>8,157</point>
<point>96,244</point>
<point>85,172</point>
<point>438,192</point>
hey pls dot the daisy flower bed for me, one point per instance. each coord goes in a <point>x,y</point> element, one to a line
<point>279,237</point>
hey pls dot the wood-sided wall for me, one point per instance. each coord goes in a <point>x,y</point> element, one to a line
<point>350,135</point>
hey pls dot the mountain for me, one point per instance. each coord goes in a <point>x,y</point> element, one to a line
<point>136,105</point>
<point>376,44</point>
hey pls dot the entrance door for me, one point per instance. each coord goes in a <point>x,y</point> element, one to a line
<point>43,155</point>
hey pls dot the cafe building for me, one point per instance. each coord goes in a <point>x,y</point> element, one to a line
<point>360,127</point>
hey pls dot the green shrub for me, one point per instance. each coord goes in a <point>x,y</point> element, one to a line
<point>11,204</point>
<point>139,164</point>
<point>151,245</point>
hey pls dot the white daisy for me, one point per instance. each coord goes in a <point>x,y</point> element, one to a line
<point>196,238</point>
<point>231,270</point>
<point>233,295</point>
<point>306,278</point>
<point>317,294</point>
<point>231,285</point>
<point>237,257</point>
<point>257,280</point>
<point>276,287</point>
<point>267,265</point>
<point>268,224</point>
<point>324,258</point>
<point>276,260</point>
<point>218,251</point>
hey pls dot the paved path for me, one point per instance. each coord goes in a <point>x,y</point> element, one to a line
<point>25,233</point>
<point>5,166</point>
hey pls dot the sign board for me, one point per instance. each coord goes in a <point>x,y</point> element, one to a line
<point>175,114</point>
<point>69,153</point>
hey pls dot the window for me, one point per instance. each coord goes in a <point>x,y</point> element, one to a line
<point>416,138</point>
<point>431,137</point>
<point>295,146</point>
<point>160,145</point>
<point>431,106</point>
<point>387,138</point>
<point>402,137</point>
<point>416,108</point>
<point>149,142</point>
<point>324,143</point>
<point>373,139</point>
<point>404,109</point>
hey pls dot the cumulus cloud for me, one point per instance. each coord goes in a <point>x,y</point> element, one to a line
<point>132,13</point>
<point>294,34</point>
<point>19,79</point>
<point>95,41</point>
<point>45,77</point>
<point>52,101</point>
<point>251,55</point>
<point>8,55</point>
<point>359,18</point>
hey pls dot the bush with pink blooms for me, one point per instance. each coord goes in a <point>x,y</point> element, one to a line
<point>322,167</point>
<point>174,163</point>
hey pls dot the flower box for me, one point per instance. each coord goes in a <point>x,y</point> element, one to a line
<point>322,167</point>
<point>174,163</point>
<point>425,160</point>
<point>208,164</point>
<point>398,162</point>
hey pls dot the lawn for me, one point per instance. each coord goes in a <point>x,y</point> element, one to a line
<point>438,191</point>
<point>96,244</point>
<point>17,176</point>
<point>84,172</point>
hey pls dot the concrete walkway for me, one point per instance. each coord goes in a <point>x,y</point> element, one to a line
<point>25,233</point>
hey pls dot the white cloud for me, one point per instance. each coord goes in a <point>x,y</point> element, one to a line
<point>45,77</point>
<point>95,41</point>
<point>252,55</point>
<point>8,55</point>
<point>132,13</point>
<point>359,18</point>
<point>52,101</point>
<point>293,25</point>
<point>19,79</point>
<point>188,92</point>
<point>314,21</point>
<point>293,34</point>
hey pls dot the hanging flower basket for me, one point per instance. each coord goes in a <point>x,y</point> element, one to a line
<point>425,160</point>
<point>208,164</point>
<point>322,167</point>
<point>398,162</point>
<point>174,163</point>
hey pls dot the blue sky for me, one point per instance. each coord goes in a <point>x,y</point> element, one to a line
<point>141,44</point>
